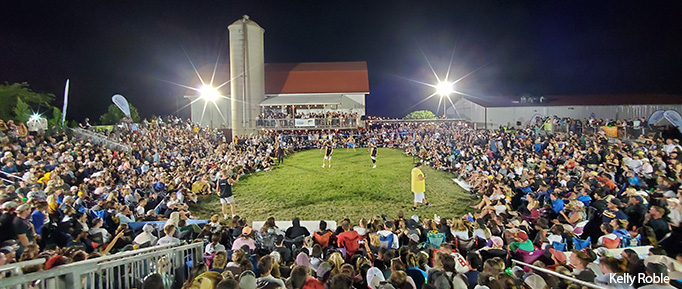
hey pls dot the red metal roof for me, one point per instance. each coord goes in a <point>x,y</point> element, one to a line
<point>292,78</point>
<point>316,77</point>
<point>576,100</point>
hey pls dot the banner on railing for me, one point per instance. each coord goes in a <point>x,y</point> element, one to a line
<point>304,122</point>
<point>611,131</point>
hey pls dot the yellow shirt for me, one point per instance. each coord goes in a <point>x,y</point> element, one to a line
<point>418,186</point>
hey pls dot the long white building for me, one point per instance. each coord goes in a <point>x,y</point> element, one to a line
<point>495,111</point>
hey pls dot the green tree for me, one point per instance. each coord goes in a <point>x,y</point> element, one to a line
<point>21,111</point>
<point>56,119</point>
<point>420,114</point>
<point>114,115</point>
<point>10,95</point>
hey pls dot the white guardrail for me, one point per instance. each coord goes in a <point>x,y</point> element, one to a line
<point>122,270</point>
<point>558,275</point>
<point>99,138</point>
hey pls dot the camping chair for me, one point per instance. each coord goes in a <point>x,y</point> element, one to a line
<point>529,257</point>
<point>559,246</point>
<point>582,244</point>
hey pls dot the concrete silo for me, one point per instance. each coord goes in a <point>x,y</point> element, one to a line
<point>247,74</point>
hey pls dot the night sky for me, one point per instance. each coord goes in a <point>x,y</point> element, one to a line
<point>521,47</point>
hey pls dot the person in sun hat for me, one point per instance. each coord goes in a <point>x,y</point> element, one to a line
<point>245,239</point>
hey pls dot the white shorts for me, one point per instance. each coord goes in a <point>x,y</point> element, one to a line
<point>419,197</point>
<point>228,200</point>
<point>374,158</point>
<point>328,157</point>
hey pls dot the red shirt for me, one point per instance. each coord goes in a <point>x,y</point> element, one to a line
<point>349,240</point>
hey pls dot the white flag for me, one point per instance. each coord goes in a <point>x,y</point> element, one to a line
<point>66,101</point>
<point>122,103</point>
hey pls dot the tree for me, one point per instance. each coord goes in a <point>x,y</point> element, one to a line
<point>56,119</point>
<point>21,111</point>
<point>420,114</point>
<point>114,115</point>
<point>10,95</point>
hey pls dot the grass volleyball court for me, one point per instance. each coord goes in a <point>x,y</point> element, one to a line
<point>350,188</point>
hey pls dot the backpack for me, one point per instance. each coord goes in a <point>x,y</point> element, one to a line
<point>434,239</point>
<point>438,279</point>
<point>268,241</point>
<point>386,241</point>
<point>322,238</point>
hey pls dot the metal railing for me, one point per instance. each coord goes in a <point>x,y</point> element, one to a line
<point>310,123</point>
<point>122,270</point>
<point>98,138</point>
<point>16,269</point>
<point>558,275</point>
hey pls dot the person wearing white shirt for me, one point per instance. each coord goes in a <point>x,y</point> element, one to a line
<point>386,232</point>
<point>139,210</point>
<point>168,238</point>
<point>215,245</point>
<point>96,228</point>
<point>123,216</point>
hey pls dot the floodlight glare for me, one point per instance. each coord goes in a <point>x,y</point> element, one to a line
<point>209,93</point>
<point>34,117</point>
<point>444,88</point>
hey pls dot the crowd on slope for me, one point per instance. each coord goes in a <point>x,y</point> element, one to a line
<point>539,196</point>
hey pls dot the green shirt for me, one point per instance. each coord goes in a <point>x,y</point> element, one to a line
<point>526,246</point>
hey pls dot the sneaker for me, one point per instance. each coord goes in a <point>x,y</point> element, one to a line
<point>374,167</point>
<point>414,208</point>
<point>225,216</point>
<point>323,166</point>
<point>233,215</point>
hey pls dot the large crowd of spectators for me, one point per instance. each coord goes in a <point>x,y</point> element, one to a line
<point>320,115</point>
<point>538,195</point>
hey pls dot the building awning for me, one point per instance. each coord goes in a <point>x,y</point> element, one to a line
<point>302,99</point>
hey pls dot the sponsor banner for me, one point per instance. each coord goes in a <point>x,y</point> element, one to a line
<point>304,122</point>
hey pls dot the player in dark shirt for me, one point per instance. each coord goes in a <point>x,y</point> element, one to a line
<point>328,150</point>
<point>224,190</point>
<point>373,154</point>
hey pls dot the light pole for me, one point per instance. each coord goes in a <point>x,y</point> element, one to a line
<point>444,89</point>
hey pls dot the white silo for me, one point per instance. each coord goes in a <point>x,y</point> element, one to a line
<point>247,74</point>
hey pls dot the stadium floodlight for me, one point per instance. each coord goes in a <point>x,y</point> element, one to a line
<point>34,117</point>
<point>445,88</point>
<point>209,93</point>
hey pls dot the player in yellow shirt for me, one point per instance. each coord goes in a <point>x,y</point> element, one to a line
<point>418,186</point>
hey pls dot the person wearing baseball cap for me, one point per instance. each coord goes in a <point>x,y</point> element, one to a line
<point>558,257</point>
<point>613,211</point>
<point>534,281</point>
<point>245,239</point>
<point>23,230</point>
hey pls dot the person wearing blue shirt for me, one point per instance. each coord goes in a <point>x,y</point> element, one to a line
<point>557,203</point>
<point>585,198</point>
<point>160,186</point>
<point>613,211</point>
<point>38,217</point>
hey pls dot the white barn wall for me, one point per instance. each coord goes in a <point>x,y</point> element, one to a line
<point>211,115</point>
<point>468,110</point>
